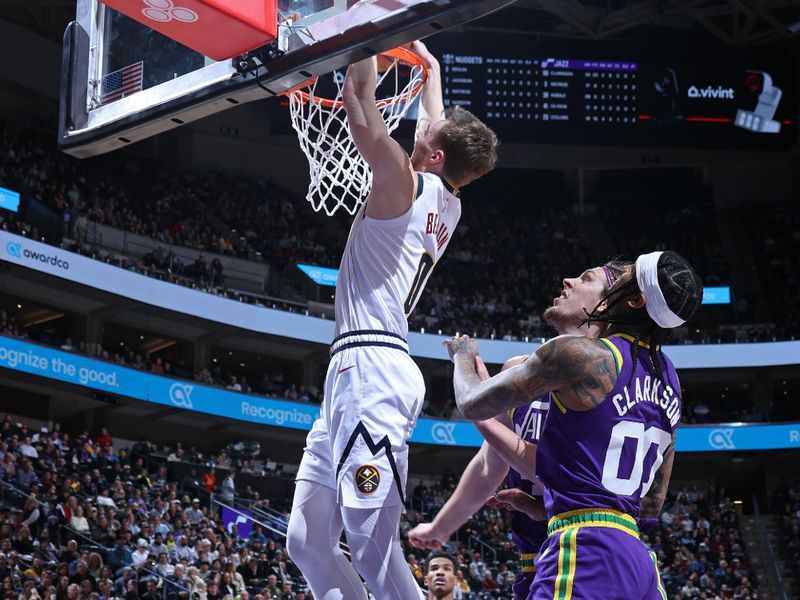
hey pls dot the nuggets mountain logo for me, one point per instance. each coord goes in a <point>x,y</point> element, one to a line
<point>368,478</point>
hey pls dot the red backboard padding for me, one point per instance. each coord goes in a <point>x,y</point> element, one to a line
<point>220,29</point>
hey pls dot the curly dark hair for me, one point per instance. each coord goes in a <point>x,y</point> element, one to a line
<point>683,292</point>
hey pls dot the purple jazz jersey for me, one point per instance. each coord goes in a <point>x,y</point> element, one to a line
<point>527,534</point>
<point>607,457</point>
<point>528,422</point>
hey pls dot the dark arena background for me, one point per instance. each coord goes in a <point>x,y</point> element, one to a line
<point>166,307</point>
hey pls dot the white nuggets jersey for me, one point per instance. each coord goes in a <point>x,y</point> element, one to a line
<point>386,263</point>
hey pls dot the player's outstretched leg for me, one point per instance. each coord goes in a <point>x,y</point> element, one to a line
<point>312,539</point>
<point>374,541</point>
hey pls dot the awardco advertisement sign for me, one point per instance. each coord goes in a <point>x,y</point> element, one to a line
<point>63,366</point>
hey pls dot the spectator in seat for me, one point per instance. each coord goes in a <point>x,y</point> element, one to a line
<point>105,439</point>
<point>158,546</point>
<point>105,500</point>
<point>121,556</point>
<point>70,553</point>
<point>286,591</point>
<point>86,588</point>
<point>213,591</point>
<point>256,536</point>
<point>217,277</point>
<point>228,492</point>
<point>26,448</point>
<point>177,586</point>
<point>78,522</point>
<point>73,592</point>
<point>416,569</point>
<point>200,266</point>
<point>82,574</point>
<point>489,584</point>
<point>193,513</point>
<point>183,551</point>
<point>505,578</point>
<point>226,585</point>
<point>152,592</point>
<point>250,574</point>
<point>162,567</point>
<point>191,480</point>
<point>157,366</point>
<point>209,481</point>
<point>26,476</point>
<point>272,587</point>
<point>30,516</point>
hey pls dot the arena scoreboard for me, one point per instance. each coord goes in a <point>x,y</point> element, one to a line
<point>608,93</point>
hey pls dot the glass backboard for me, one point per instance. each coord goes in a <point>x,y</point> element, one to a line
<point>123,82</point>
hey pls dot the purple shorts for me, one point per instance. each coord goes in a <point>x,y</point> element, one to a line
<point>597,563</point>
<point>522,586</point>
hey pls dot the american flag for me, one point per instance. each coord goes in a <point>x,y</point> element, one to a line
<point>122,83</point>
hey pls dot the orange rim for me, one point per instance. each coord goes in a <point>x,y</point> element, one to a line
<point>404,55</point>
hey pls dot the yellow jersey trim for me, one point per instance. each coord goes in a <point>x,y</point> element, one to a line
<point>589,517</point>
<point>560,406</point>
<point>632,339</point>
<point>615,352</point>
<point>583,511</point>
<point>526,562</point>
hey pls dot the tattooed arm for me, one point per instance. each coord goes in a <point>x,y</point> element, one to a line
<point>580,369</point>
<point>650,506</point>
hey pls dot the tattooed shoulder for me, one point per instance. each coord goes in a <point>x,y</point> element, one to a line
<point>580,369</point>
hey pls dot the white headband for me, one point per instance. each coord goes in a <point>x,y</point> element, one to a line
<point>656,305</point>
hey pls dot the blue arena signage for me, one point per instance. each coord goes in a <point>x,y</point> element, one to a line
<point>9,199</point>
<point>19,355</point>
<point>320,275</point>
<point>717,295</point>
<point>148,290</point>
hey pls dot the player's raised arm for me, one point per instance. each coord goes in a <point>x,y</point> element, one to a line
<point>581,369</point>
<point>484,473</point>
<point>392,175</point>
<point>511,448</point>
<point>431,106</point>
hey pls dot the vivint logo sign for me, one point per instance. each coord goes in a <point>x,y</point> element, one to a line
<point>164,11</point>
<point>719,92</point>
<point>19,251</point>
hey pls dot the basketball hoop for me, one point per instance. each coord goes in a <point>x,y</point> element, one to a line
<point>339,176</point>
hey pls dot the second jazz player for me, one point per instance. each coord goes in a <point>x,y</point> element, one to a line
<point>487,469</point>
<point>353,473</point>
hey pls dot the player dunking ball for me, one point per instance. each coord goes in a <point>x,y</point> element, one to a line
<point>605,455</point>
<point>353,473</point>
<point>487,469</point>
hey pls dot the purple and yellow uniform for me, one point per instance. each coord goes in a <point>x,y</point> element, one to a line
<point>527,534</point>
<point>596,465</point>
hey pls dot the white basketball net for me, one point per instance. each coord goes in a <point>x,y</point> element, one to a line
<point>339,176</point>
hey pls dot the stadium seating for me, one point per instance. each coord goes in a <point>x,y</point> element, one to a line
<point>495,281</point>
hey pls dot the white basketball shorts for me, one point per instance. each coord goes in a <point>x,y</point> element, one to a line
<point>358,446</point>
